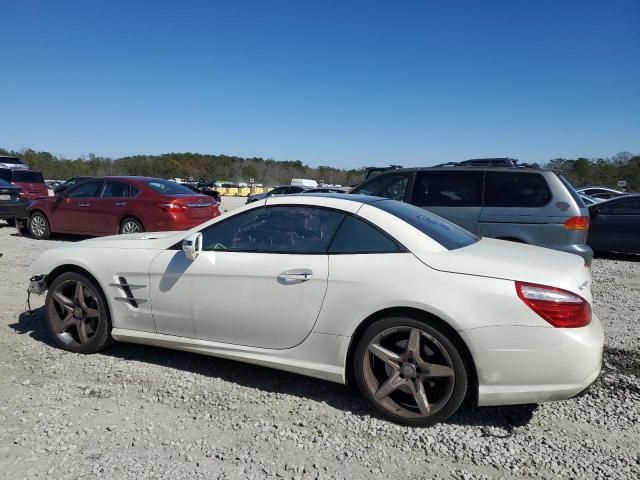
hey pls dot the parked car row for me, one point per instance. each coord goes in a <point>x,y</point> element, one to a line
<point>109,205</point>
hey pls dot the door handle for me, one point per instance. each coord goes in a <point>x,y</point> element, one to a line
<point>84,204</point>
<point>120,204</point>
<point>298,275</point>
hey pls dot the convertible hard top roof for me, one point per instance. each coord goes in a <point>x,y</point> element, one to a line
<point>356,197</point>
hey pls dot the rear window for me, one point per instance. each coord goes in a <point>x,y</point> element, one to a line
<point>27,176</point>
<point>572,191</point>
<point>167,187</point>
<point>447,234</point>
<point>515,189</point>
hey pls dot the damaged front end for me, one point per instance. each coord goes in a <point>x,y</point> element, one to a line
<point>37,285</point>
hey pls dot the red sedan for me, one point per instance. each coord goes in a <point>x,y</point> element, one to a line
<point>110,205</point>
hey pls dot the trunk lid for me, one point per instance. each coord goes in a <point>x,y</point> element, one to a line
<point>195,206</point>
<point>515,261</point>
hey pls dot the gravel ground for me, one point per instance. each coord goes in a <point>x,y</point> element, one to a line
<point>143,412</point>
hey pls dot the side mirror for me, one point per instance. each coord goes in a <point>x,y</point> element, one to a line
<point>192,246</point>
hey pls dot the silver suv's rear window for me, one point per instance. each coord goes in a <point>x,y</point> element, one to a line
<point>447,234</point>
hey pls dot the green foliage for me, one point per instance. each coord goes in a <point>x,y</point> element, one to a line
<point>606,172</point>
<point>183,165</point>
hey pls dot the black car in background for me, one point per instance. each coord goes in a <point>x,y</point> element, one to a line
<point>68,184</point>
<point>12,204</point>
<point>615,225</point>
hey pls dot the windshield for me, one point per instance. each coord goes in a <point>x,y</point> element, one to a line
<point>27,176</point>
<point>442,231</point>
<point>167,187</point>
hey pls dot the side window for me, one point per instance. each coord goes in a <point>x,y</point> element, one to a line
<point>295,189</point>
<point>279,191</point>
<point>85,190</point>
<point>447,189</point>
<point>117,189</point>
<point>515,189</point>
<point>357,236</point>
<point>626,207</point>
<point>275,230</point>
<point>391,186</point>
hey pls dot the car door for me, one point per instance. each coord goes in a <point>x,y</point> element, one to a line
<point>454,195</point>
<point>74,212</point>
<point>616,226</point>
<point>110,208</point>
<point>260,280</point>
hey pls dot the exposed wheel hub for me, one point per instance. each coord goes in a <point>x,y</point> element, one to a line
<point>408,370</point>
<point>77,312</point>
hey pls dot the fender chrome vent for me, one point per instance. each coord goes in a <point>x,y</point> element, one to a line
<point>126,288</point>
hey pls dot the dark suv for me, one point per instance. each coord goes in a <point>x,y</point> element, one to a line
<point>527,205</point>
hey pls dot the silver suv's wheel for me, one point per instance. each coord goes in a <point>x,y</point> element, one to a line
<point>410,371</point>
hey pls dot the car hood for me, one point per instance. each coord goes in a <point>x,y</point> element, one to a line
<point>133,240</point>
<point>515,261</point>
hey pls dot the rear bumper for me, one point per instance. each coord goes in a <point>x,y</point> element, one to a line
<point>584,251</point>
<point>517,365</point>
<point>14,210</point>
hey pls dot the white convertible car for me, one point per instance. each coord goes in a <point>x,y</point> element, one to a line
<point>419,313</point>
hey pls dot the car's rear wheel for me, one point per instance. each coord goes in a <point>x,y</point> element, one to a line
<point>39,226</point>
<point>411,371</point>
<point>131,225</point>
<point>77,316</point>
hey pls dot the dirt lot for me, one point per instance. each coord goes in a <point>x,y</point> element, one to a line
<point>143,412</point>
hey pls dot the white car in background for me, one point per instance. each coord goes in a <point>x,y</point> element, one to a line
<point>418,312</point>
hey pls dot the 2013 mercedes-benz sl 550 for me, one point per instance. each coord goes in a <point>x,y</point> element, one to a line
<point>416,311</point>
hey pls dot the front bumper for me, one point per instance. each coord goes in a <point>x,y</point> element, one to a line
<point>37,285</point>
<point>518,365</point>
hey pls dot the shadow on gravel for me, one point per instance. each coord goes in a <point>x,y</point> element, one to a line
<point>269,380</point>
<point>55,236</point>
<point>624,257</point>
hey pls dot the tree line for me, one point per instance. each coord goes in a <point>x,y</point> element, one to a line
<point>183,165</point>
<point>579,171</point>
<point>600,171</point>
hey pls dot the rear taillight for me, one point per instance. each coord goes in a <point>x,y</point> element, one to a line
<point>560,308</point>
<point>171,207</point>
<point>577,223</point>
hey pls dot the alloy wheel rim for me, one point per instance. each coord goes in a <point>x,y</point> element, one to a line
<point>38,225</point>
<point>130,227</point>
<point>74,312</point>
<point>408,372</point>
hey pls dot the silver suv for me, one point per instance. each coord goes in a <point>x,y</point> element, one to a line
<point>527,205</point>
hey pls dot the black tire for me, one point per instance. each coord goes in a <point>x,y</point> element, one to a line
<point>38,226</point>
<point>99,325</point>
<point>130,225</point>
<point>444,385</point>
<point>11,222</point>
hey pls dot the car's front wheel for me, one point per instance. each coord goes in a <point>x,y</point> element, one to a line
<point>77,316</point>
<point>411,371</point>
<point>39,226</point>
